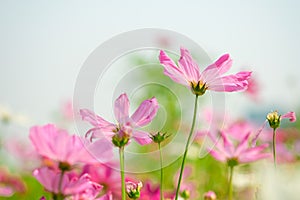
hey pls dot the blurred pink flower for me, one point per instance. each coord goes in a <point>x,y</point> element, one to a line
<point>9,184</point>
<point>253,88</point>
<point>210,195</point>
<point>67,110</point>
<point>289,115</point>
<point>226,150</point>
<point>59,146</point>
<point>70,184</point>
<point>187,73</point>
<point>126,126</point>
<point>105,176</point>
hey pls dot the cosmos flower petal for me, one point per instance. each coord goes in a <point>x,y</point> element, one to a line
<point>145,112</point>
<point>290,115</point>
<point>188,66</point>
<point>141,137</point>
<point>171,69</point>
<point>121,108</point>
<point>95,120</point>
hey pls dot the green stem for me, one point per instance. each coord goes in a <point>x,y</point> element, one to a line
<point>59,196</point>
<point>230,182</point>
<point>186,148</point>
<point>121,153</point>
<point>161,172</point>
<point>274,146</point>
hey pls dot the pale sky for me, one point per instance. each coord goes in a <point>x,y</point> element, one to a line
<point>44,44</point>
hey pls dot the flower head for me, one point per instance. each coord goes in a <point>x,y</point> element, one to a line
<point>67,185</point>
<point>237,152</point>
<point>274,118</point>
<point>159,137</point>
<point>133,189</point>
<point>67,150</point>
<point>187,73</point>
<point>126,127</point>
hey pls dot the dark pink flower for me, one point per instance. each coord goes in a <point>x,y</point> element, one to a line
<point>238,151</point>
<point>68,185</point>
<point>187,73</point>
<point>126,126</point>
<point>133,188</point>
<point>59,146</point>
<point>106,176</point>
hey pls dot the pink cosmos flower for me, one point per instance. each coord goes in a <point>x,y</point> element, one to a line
<point>226,150</point>
<point>126,126</point>
<point>105,176</point>
<point>58,145</point>
<point>10,184</point>
<point>187,73</point>
<point>70,184</point>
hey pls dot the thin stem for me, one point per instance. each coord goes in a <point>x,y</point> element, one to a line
<point>121,153</point>
<point>274,146</point>
<point>230,183</point>
<point>161,172</point>
<point>186,147</point>
<point>59,196</point>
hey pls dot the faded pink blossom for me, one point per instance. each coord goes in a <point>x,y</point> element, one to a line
<point>290,115</point>
<point>106,176</point>
<point>67,110</point>
<point>187,73</point>
<point>59,146</point>
<point>9,184</point>
<point>237,151</point>
<point>70,184</point>
<point>126,126</point>
<point>210,195</point>
<point>253,88</point>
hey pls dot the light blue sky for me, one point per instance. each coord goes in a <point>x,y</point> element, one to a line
<point>44,44</point>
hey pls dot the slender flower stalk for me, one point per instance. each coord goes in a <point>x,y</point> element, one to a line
<point>159,138</point>
<point>274,120</point>
<point>161,172</point>
<point>274,146</point>
<point>187,147</point>
<point>230,182</point>
<point>121,153</point>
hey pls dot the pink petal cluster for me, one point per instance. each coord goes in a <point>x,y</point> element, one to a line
<point>237,151</point>
<point>106,176</point>
<point>10,184</point>
<point>68,185</point>
<point>125,125</point>
<point>187,73</point>
<point>60,146</point>
<point>289,115</point>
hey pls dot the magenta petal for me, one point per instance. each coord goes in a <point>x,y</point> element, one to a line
<point>94,119</point>
<point>48,178</point>
<point>6,191</point>
<point>141,137</point>
<point>145,112</point>
<point>121,108</point>
<point>219,67</point>
<point>290,115</point>
<point>188,66</point>
<point>171,70</point>
<point>231,83</point>
<point>243,145</point>
<point>101,150</point>
<point>218,156</point>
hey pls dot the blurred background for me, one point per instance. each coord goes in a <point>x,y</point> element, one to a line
<point>45,43</point>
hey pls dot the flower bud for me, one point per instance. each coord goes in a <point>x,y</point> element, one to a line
<point>273,119</point>
<point>210,195</point>
<point>133,189</point>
